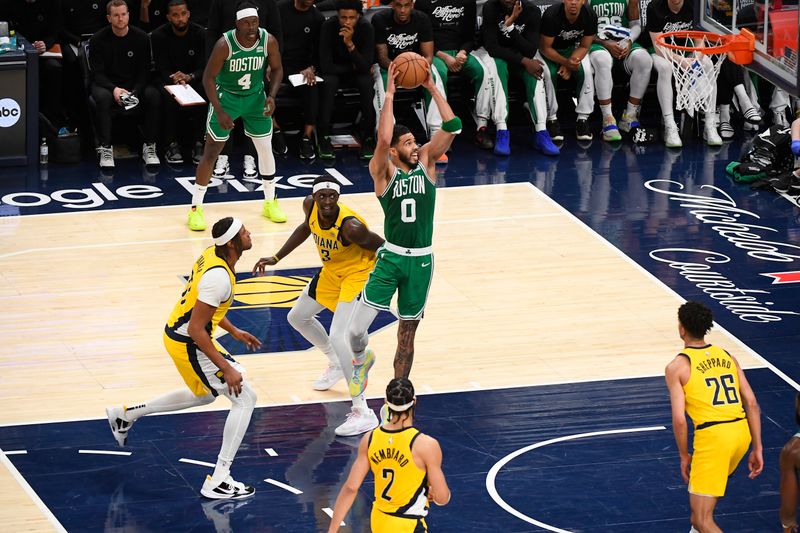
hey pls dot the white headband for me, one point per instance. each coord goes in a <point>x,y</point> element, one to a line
<point>399,408</point>
<point>326,185</point>
<point>246,12</point>
<point>232,232</point>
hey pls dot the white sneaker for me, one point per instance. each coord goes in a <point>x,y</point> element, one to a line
<point>329,378</point>
<point>221,167</point>
<point>711,135</point>
<point>250,167</point>
<point>227,490</point>
<point>672,138</point>
<point>119,426</point>
<point>357,423</point>
<point>106,154</point>
<point>149,154</point>
<point>779,119</point>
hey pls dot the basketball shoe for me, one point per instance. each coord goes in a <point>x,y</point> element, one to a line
<point>384,415</point>
<point>273,211</point>
<point>119,426</point>
<point>221,166</point>
<point>628,122</point>
<point>357,422</point>
<point>329,378</point>
<point>197,220</point>
<point>227,490</point>
<point>361,374</point>
<point>249,166</point>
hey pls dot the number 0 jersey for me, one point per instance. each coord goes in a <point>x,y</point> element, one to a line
<point>408,204</point>
<point>178,321</point>
<point>712,392</point>
<point>243,70</point>
<point>401,487</point>
<point>339,258</point>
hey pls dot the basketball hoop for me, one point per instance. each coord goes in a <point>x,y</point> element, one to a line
<point>697,57</point>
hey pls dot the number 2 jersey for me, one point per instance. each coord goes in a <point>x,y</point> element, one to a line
<point>712,392</point>
<point>243,70</point>
<point>401,487</point>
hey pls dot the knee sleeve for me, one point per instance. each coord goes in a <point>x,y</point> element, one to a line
<point>602,63</point>
<point>266,159</point>
<point>640,65</point>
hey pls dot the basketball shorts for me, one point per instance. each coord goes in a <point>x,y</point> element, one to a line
<point>409,276</point>
<point>384,523</point>
<point>328,289</point>
<point>198,372</point>
<point>717,451</point>
<point>249,107</point>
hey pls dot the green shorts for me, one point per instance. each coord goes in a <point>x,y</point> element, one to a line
<point>250,107</point>
<point>410,276</point>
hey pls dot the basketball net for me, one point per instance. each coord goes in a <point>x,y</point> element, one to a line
<point>695,71</point>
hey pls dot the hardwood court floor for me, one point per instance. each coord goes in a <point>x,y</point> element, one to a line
<point>523,294</point>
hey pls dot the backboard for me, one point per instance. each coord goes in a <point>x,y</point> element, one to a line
<point>774,23</point>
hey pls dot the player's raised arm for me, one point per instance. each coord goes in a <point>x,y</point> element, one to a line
<point>443,138</point>
<point>380,166</point>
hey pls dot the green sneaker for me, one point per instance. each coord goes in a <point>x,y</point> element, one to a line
<point>361,374</point>
<point>273,211</point>
<point>367,148</point>
<point>197,221</point>
<point>325,148</point>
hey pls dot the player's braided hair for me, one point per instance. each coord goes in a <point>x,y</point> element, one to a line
<point>696,318</point>
<point>218,229</point>
<point>400,391</point>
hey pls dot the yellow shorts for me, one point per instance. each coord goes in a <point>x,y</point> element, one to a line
<point>329,289</point>
<point>198,372</point>
<point>717,451</point>
<point>384,523</point>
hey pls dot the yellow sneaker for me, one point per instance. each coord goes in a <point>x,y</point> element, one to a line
<point>197,221</point>
<point>273,211</point>
<point>361,374</point>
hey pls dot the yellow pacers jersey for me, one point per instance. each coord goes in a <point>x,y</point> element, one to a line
<point>339,258</point>
<point>401,487</point>
<point>177,324</point>
<point>712,392</point>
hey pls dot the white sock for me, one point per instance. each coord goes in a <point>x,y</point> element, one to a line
<point>221,471</point>
<point>693,530</point>
<point>669,119</point>
<point>501,126</point>
<point>725,113</point>
<point>269,187</point>
<point>605,109</point>
<point>171,401</point>
<point>360,403</point>
<point>741,96</point>
<point>582,116</point>
<point>710,119</point>
<point>480,122</point>
<point>199,194</point>
<point>552,117</point>
<point>235,427</point>
<point>632,110</point>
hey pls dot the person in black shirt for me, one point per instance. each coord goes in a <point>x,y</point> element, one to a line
<point>301,22</point>
<point>119,56</point>
<point>179,56</point>
<point>510,32</point>
<point>405,29</point>
<point>39,22</point>
<point>667,16</point>
<point>568,30</point>
<point>346,54</point>
<point>151,14</point>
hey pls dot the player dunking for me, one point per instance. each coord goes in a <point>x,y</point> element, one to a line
<point>407,466</point>
<point>403,173</point>
<point>346,247</point>
<point>707,383</point>
<point>234,84</point>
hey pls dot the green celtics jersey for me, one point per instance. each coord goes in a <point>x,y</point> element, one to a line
<point>408,205</point>
<point>610,13</point>
<point>243,71</point>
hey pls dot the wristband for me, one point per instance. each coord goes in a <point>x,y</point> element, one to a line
<point>276,258</point>
<point>452,126</point>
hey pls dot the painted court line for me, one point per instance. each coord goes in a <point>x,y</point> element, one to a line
<point>492,475</point>
<point>104,452</point>
<point>271,452</point>
<point>193,462</point>
<point>283,486</point>
<point>328,511</point>
<point>16,452</point>
<point>5,461</point>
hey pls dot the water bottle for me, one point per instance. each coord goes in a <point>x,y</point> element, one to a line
<point>12,38</point>
<point>44,152</point>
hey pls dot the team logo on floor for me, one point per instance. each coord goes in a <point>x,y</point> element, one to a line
<point>261,305</point>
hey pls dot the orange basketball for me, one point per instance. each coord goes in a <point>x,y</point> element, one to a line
<point>412,69</point>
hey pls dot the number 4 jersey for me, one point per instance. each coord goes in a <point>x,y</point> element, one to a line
<point>712,392</point>
<point>243,71</point>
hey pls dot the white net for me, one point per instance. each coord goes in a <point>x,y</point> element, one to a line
<point>695,72</point>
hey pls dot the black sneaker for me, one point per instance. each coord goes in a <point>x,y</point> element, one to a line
<point>307,149</point>
<point>279,143</point>
<point>483,138</point>
<point>367,148</point>
<point>582,132</point>
<point>197,153</point>
<point>325,148</point>
<point>173,154</point>
<point>554,129</point>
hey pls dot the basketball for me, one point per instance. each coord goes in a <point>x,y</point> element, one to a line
<point>412,69</point>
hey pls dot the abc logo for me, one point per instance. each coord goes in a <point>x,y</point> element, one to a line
<point>9,112</point>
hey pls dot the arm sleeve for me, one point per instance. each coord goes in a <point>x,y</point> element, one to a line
<point>636,29</point>
<point>468,28</point>
<point>214,287</point>
<point>491,32</point>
